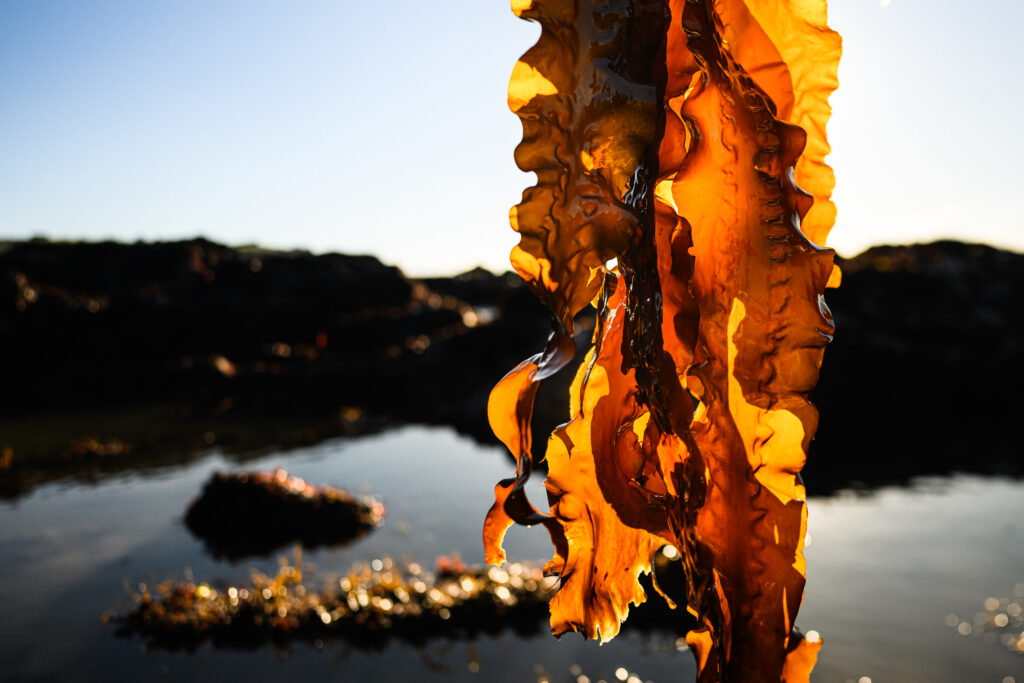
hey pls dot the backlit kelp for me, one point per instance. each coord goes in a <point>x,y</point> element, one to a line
<point>681,188</point>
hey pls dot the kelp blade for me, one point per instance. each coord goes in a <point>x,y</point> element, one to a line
<point>685,140</point>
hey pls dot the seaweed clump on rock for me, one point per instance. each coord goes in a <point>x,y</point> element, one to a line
<point>368,606</point>
<point>256,513</point>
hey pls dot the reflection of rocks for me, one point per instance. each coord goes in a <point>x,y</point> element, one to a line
<point>920,378</point>
<point>257,513</point>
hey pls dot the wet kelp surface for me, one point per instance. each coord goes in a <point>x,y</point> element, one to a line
<point>256,513</point>
<point>671,143</point>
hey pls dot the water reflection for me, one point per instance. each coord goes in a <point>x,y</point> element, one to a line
<point>89,447</point>
<point>885,572</point>
<point>1000,621</point>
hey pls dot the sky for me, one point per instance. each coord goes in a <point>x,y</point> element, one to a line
<point>382,127</point>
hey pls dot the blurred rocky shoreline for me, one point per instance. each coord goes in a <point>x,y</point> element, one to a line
<point>114,355</point>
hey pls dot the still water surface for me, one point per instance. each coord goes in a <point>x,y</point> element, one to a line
<point>886,569</point>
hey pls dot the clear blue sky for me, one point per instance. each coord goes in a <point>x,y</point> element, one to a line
<point>381,127</point>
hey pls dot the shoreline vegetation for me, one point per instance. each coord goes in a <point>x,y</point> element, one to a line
<point>133,356</point>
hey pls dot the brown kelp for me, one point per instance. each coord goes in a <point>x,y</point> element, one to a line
<point>679,149</point>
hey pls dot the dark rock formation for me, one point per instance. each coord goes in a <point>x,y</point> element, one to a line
<point>199,322</point>
<point>260,512</point>
<point>921,377</point>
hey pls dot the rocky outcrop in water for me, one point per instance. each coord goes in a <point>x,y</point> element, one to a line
<point>256,513</point>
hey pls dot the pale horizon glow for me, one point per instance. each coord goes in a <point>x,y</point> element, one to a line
<point>382,128</point>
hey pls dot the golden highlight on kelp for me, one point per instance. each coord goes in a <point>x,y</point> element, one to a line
<point>679,148</point>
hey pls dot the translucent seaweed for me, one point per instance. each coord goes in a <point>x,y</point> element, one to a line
<point>681,189</point>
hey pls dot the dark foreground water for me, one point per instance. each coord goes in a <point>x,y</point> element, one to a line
<point>897,577</point>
